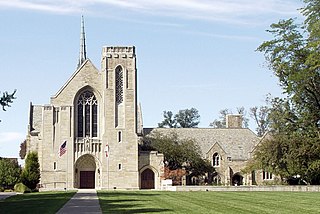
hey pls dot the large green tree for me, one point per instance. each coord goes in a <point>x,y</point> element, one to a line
<point>294,57</point>
<point>186,118</point>
<point>30,175</point>
<point>179,153</point>
<point>9,172</point>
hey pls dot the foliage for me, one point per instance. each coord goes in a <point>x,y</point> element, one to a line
<point>260,116</point>
<point>9,172</point>
<point>168,121</point>
<point>39,202</point>
<point>293,56</point>
<point>221,122</point>
<point>20,187</point>
<point>175,175</point>
<point>23,149</point>
<point>7,99</point>
<point>179,153</point>
<point>233,202</point>
<point>186,118</point>
<point>31,173</point>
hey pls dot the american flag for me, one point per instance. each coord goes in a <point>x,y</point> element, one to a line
<point>63,148</point>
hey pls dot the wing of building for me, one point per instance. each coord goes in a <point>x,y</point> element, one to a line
<point>228,150</point>
<point>87,136</point>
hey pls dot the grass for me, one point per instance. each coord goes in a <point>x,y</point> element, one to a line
<point>209,202</point>
<point>39,202</point>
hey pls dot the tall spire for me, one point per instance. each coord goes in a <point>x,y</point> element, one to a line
<point>83,53</point>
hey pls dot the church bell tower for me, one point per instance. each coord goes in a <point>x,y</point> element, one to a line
<point>120,110</point>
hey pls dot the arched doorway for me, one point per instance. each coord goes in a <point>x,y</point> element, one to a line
<point>147,179</point>
<point>85,170</point>
<point>237,179</point>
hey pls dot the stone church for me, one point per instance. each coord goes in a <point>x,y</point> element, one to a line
<point>87,137</point>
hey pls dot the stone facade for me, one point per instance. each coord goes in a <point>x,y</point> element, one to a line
<point>228,150</point>
<point>95,114</point>
<point>96,118</point>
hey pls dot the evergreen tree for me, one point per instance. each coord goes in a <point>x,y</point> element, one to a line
<point>31,173</point>
<point>9,172</point>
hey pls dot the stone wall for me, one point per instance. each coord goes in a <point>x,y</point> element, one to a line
<point>154,161</point>
<point>307,188</point>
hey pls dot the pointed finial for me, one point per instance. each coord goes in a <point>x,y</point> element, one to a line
<point>83,53</point>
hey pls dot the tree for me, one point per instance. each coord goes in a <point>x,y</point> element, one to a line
<point>260,116</point>
<point>31,173</point>
<point>23,149</point>
<point>245,120</point>
<point>186,118</point>
<point>293,56</point>
<point>179,153</point>
<point>221,122</point>
<point>7,99</point>
<point>9,172</point>
<point>168,120</point>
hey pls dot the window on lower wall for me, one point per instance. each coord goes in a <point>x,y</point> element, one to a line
<point>54,165</point>
<point>267,175</point>
<point>216,160</point>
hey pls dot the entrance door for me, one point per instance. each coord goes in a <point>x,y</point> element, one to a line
<point>237,180</point>
<point>147,179</point>
<point>87,179</point>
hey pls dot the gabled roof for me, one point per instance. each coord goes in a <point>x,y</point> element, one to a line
<point>237,143</point>
<point>87,61</point>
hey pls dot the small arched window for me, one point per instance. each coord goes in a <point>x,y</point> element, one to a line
<point>87,110</point>
<point>216,160</point>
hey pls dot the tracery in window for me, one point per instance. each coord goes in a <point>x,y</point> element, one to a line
<point>119,85</point>
<point>216,159</point>
<point>87,110</point>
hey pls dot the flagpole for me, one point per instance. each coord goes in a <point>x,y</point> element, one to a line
<point>67,166</point>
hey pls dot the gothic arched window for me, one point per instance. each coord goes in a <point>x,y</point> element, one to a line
<point>87,109</point>
<point>119,85</point>
<point>216,160</point>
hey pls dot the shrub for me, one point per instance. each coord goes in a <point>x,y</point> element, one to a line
<point>9,173</point>
<point>1,189</point>
<point>30,175</point>
<point>20,187</point>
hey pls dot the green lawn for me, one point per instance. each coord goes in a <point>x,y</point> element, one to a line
<point>39,202</point>
<point>209,202</point>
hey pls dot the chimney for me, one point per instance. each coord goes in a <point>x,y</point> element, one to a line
<point>234,121</point>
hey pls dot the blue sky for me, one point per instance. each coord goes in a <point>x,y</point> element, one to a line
<point>190,53</point>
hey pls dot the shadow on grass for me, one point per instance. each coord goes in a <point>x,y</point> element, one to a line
<point>44,202</point>
<point>129,202</point>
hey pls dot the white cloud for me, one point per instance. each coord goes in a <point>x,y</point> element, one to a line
<point>10,143</point>
<point>234,11</point>
<point>6,137</point>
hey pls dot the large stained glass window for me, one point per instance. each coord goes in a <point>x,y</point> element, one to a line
<point>87,110</point>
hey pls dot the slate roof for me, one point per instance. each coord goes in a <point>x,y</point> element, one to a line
<point>237,143</point>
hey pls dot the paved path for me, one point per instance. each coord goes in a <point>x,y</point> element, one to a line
<point>4,195</point>
<point>84,201</point>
